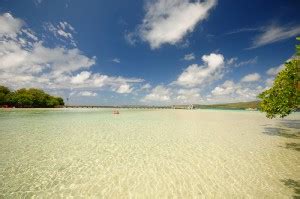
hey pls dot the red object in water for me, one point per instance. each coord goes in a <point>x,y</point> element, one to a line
<point>116,112</point>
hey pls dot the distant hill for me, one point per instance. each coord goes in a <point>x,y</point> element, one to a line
<point>239,105</point>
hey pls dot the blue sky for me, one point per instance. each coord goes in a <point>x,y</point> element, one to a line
<point>146,52</point>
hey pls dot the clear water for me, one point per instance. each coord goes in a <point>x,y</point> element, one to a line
<point>148,154</point>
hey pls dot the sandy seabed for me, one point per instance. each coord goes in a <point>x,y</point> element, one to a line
<point>92,153</point>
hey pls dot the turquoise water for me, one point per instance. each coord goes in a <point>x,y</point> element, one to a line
<point>147,154</point>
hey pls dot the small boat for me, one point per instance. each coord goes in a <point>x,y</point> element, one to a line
<point>116,112</point>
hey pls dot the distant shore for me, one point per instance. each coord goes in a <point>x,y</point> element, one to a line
<point>251,106</point>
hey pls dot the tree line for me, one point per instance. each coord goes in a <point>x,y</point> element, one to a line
<point>28,98</point>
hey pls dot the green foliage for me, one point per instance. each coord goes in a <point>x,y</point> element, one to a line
<point>28,98</point>
<point>298,47</point>
<point>283,98</point>
<point>4,91</point>
<point>239,105</point>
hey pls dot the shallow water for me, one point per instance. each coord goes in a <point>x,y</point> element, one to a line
<point>148,154</point>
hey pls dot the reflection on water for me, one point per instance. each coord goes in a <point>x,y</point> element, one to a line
<point>295,185</point>
<point>293,146</point>
<point>287,133</point>
<point>147,153</point>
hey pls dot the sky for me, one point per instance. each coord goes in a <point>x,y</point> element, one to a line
<point>150,52</point>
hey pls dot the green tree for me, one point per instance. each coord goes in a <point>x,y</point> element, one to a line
<point>60,101</point>
<point>4,92</point>
<point>39,97</point>
<point>298,47</point>
<point>29,98</point>
<point>283,98</point>
<point>22,98</point>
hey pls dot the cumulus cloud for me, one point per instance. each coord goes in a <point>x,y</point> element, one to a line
<point>38,58</point>
<point>81,77</point>
<point>158,94</point>
<point>228,87</point>
<point>196,75</point>
<point>10,26</point>
<point>169,95</point>
<point>168,21</point>
<point>189,57</point>
<point>87,94</point>
<point>188,96</point>
<point>25,61</point>
<point>275,33</point>
<point>251,77</point>
<point>230,91</point>
<point>124,88</point>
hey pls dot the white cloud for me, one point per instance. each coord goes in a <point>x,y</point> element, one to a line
<point>230,91</point>
<point>188,96</point>
<point>272,73</point>
<point>116,60</point>
<point>275,33</point>
<point>38,58</point>
<point>66,26</point>
<point>228,87</point>
<point>124,88</point>
<point>172,95</point>
<point>168,21</point>
<point>158,94</point>
<point>63,31</point>
<point>195,75</point>
<point>81,77</point>
<point>275,70</point>
<point>30,34</point>
<point>25,61</point>
<point>189,57</point>
<point>145,86</point>
<point>244,30</point>
<point>234,62</point>
<point>251,77</point>
<point>269,82</point>
<point>10,26</point>
<point>131,38</point>
<point>87,94</point>
<point>64,34</point>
